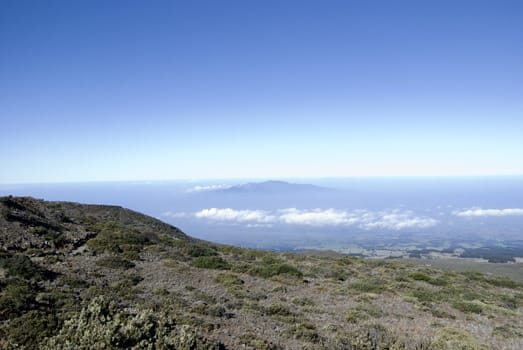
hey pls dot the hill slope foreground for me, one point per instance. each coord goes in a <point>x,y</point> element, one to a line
<point>78,276</point>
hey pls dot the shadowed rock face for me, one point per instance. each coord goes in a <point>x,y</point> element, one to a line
<point>90,276</point>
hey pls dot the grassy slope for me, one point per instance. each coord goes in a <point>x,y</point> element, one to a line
<point>98,275</point>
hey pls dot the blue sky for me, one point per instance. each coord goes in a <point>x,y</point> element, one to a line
<point>135,90</point>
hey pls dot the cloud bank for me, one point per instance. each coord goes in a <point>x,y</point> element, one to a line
<point>207,188</point>
<point>229,214</point>
<point>478,212</point>
<point>364,219</point>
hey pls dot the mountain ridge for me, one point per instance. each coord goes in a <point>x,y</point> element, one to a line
<point>272,187</point>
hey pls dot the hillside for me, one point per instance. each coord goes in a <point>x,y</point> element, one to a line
<point>76,276</point>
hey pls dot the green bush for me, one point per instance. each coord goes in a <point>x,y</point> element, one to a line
<point>252,342</point>
<point>337,274</point>
<point>73,282</point>
<point>368,286</point>
<point>31,328</point>
<point>114,262</point>
<point>114,238</point>
<point>125,287</point>
<point>505,282</point>
<point>440,281</point>
<point>211,262</point>
<point>374,336</point>
<point>303,302</point>
<point>454,338</point>
<point>19,265</point>
<point>305,331</point>
<point>511,302</point>
<point>105,325</point>
<point>468,306</point>
<point>425,295</point>
<point>507,331</point>
<point>209,310</point>
<point>278,309</point>
<point>418,276</point>
<point>17,297</point>
<point>200,250</point>
<point>362,312</point>
<point>228,280</point>
<point>275,269</point>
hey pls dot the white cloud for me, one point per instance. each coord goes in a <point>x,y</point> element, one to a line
<point>364,219</point>
<point>316,217</point>
<point>475,212</point>
<point>206,188</point>
<point>399,221</point>
<point>229,214</point>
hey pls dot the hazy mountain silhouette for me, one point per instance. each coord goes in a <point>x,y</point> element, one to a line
<point>273,187</point>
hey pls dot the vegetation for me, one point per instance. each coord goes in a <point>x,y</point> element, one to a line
<point>123,280</point>
<point>112,237</point>
<point>271,266</point>
<point>211,262</point>
<point>114,262</point>
<point>19,265</point>
<point>105,325</point>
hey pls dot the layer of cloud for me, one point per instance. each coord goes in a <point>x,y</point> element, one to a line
<point>364,219</point>
<point>229,214</point>
<point>399,221</point>
<point>316,217</point>
<point>477,212</point>
<point>207,188</point>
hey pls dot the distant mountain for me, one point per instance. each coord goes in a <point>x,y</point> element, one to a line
<point>273,187</point>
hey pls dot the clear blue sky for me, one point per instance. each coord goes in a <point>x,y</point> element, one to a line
<point>135,90</point>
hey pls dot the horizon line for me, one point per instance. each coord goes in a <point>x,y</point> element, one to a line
<point>276,178</point>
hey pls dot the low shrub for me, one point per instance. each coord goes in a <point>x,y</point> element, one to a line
<point>112,237</point>
<point>211,262</point>
<point>511,302</point>
<point>125,287</point>
<point>454,338</point>
<point>19,265</point>
<point>105,325</point>
<point>73,282</point>
<point>31,328</point>
<point>228,280</point>
<point>200,250</point>
<point>362,312</point>
<point>275,269</point>
<point>374,336</point>
<point>305,331</point>
<point>278,309</point>
<point>439,281</point>
<point>507,331</point>
<point>114,262</point>
<point>418,276</point>
<point>468,306</point>
<point>303,302</point>
<point>425,295</point>
<point>16,298</point>
<point>368,286</point>
<point>337,274</point>
<point>209,310</point>
<point>505,282</point>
